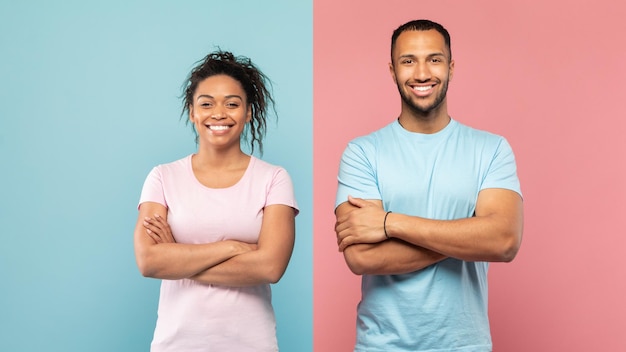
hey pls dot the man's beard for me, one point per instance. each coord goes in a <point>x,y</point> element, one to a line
<point>423,111</point>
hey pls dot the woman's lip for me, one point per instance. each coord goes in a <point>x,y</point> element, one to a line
<point>219,127</point>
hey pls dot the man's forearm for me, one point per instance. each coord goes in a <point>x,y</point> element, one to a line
<point>491,237</point>
<point>389,258</point>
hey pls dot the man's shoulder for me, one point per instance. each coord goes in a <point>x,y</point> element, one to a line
<point>374,137</point>
<point>476,133</point>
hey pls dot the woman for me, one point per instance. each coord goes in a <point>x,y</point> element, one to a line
<point>218,225</point>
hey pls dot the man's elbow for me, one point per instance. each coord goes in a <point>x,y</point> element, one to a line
<point>508,255</point>
<point>356,261</point>
<point>356,268</point>
<point>510,247</point>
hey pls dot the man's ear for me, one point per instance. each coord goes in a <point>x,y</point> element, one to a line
<point>392,72</point>
<point>451,70</point>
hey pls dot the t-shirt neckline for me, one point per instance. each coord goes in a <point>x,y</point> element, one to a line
<point>426,137</point>
<point>192,175</point>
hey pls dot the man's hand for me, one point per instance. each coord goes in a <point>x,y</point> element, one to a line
<point>361,225</point>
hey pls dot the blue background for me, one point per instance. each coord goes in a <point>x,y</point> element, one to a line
<point>89,104</point>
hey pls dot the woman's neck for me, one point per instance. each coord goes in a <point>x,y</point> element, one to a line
<point>220,159</point>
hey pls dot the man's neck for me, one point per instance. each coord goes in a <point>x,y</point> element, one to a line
<point>432,122</point>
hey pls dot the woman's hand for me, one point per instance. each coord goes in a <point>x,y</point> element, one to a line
<point>243,247</point>
<point>158,229</point>
<point>160,256</point>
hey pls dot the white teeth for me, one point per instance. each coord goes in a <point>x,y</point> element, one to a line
<point>422,89</point>
<point>219,128</point>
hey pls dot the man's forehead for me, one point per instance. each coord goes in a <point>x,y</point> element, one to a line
<point>412,42</point>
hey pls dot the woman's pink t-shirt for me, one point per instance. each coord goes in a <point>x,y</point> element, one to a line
<point>199,317</point>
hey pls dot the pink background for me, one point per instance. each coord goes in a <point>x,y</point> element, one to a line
<point>551,78</point>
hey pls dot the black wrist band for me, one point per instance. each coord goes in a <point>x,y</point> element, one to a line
<point>385,225</point>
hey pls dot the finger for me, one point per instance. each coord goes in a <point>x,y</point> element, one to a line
<point>154,236</point>
<point>152,222</point>
<point>166,231</point>
<point>358,202</point>
<point>337,229</point>
<point>342,235</point>
<point>342,224</point>
<point>155,221</point>
<point>344,243</point>
<point>149,223</point>
<point>161,220</point>
<point>153,231</point>
<point>161,227</point>
<point>349,214</point>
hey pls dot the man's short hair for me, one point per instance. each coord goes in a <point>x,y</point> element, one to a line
<point>421,25</point>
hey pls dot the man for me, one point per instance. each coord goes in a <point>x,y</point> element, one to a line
<point>422,205</point>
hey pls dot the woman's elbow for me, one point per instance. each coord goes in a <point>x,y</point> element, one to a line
<point>273,279</point>
<point>272,270</point>
<point>274,274</point>
<point>145,269</point>
<point>145,264</point>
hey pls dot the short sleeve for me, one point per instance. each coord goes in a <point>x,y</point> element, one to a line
<point>357,176</point>
<point>153,188</point>
<point>503,170</point>
<point>280,190</point>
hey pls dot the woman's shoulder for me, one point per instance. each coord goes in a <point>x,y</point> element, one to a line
<point>174,167</point>
<point>266,169</point>
<point>262,165</point>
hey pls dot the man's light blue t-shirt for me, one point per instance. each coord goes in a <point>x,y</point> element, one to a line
<point>438,176</point>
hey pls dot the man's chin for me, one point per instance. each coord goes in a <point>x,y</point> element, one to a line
<point>421,109</point>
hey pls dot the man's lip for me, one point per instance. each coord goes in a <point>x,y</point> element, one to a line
<point>422,90</point>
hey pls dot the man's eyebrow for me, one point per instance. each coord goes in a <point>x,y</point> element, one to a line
<point>413,56</point>
<point>429,56</point>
